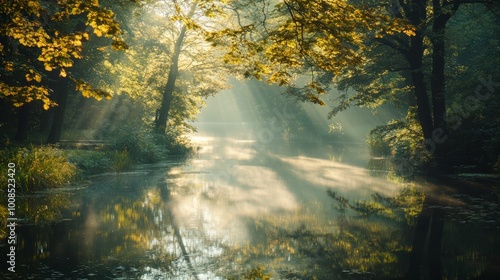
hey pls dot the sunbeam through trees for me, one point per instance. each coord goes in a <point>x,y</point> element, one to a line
<point>249,139</point>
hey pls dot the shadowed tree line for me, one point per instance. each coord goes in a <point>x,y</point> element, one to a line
<point>434,60</point>
<point>149,55</point>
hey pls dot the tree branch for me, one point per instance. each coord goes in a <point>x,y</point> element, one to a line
<point>392,44</point>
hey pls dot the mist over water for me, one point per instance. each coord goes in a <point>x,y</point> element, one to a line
<point>252,200</point>
<point>260,114</point>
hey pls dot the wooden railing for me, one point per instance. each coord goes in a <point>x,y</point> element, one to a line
<point>83,144</point>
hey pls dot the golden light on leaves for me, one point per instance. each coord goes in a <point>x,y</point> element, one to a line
<point>33,76</point>
<point>119,45</point>
<point>8,66</point>
<point>409,32</point>
<point>56,49</point>
<point>328,35</point>
<point>20,95</point>
<point>88,91</point>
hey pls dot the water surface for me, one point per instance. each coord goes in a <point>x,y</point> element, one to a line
<point>238,209</point>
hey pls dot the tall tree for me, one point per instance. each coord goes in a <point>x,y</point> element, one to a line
<point>173,73</point>
<point>337,42</point>
<point>193,19</point>
<point>169,68</point>
<point>39,36</point>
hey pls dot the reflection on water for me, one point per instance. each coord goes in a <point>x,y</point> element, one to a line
<point>240,211</point>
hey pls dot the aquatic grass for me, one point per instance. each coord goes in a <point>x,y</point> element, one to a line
<point>3,221</point>
<point>37,167</point>
<point>96,162</point>
<point>122,161</point>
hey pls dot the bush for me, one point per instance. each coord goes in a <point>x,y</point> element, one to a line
<point>177,144</point>
<point>122,161</point>
<point>37,167</point>
<point>3,221</point>
<point>127,146</point>
<point>95,162</point>
<point>142,146</point>
<point>91,162</point>
<point>480,151</point>
<point>402,141</point>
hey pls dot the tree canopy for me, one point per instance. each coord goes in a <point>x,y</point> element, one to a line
<point>342,52</point>
<point>39,37</point>
<point>375,52</point>
<point>292,38</point>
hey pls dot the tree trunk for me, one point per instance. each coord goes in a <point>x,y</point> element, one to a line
<point>168,92</point>
<point>415,57</point>
<point>437,77</point>
<point>435,241</point>
<point>416,12</point>
<point>45,121</point>
<point>61,90</point>
<point>61,86</point>
<point>438,65</point>
<point>418,244</point>
<point>23,115</point>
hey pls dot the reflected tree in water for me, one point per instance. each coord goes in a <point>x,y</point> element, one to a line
<point>371,239</point>
<point>43,209</point>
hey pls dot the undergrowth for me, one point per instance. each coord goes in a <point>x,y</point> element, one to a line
<point>37,167</point>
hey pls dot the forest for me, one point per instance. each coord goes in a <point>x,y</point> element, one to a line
<point>94,88</point>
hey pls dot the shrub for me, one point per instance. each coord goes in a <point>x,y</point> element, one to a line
<point>177,144</point>
<point>122,161</point>
<point>378,146</point>
<point>91,162</point>
<point>402,141</point>
<point>38,167</point>
<point>141,145</point>
<point>3,221</point>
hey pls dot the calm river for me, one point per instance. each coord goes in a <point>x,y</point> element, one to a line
<point>238,209</point>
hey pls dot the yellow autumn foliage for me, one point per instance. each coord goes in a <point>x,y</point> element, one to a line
<point>26,24</point>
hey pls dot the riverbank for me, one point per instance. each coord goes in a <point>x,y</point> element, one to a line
<point>32,168</point>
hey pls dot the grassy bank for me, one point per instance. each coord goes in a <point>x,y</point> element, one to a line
<point>34,168</point>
